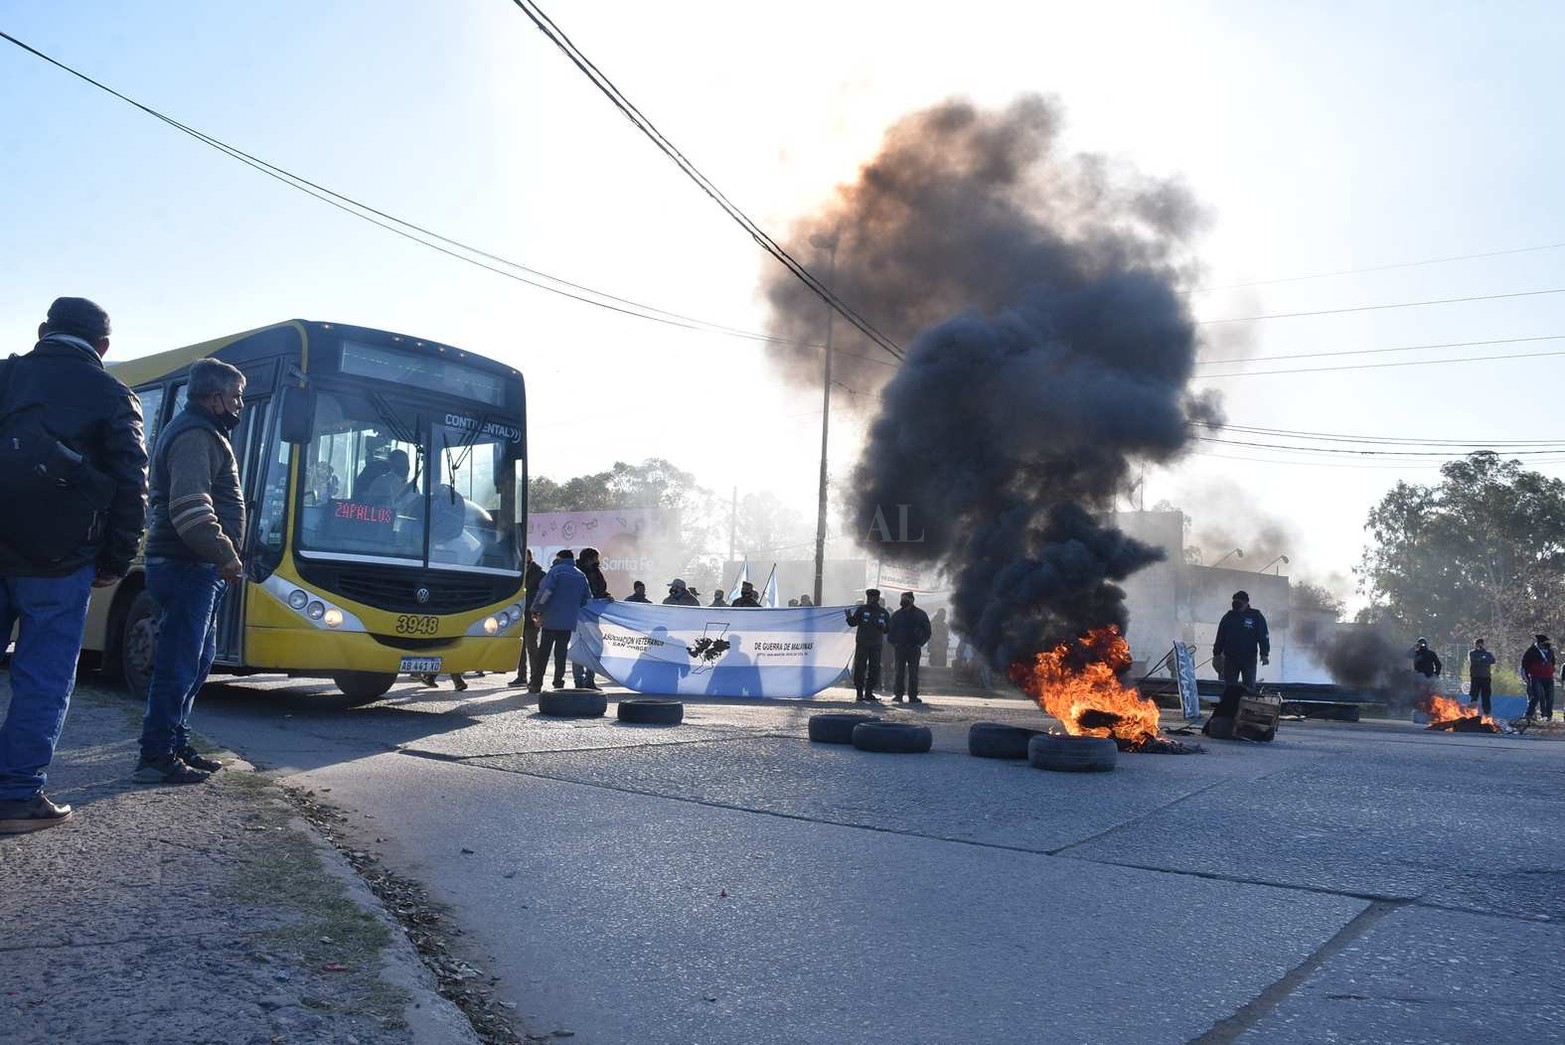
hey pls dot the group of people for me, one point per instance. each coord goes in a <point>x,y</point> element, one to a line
<point>191,510</point>
<point>1537,668</point>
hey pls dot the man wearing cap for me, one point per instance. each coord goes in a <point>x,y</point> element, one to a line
<point>638,592</point>
<point>1538,670</point>
<point>93,415</point>
<point>679,594</point>
<point>1241,638</point>
<point>1479,664</point>
<point>1425,661</point>
<point>749,598</point>
<point>718,598</point>
<point>872,622</point>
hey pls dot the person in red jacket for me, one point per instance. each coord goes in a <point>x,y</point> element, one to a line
<point>1538,670</point>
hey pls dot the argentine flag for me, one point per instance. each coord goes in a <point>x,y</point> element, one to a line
<point>744,575</point>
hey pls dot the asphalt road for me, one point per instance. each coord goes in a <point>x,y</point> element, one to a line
<point>725,881</point>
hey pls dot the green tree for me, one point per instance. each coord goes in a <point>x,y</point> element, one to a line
<point>1479,553</point>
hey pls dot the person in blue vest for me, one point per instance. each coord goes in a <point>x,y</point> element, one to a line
<point>1241,640</point>
<point>195,530</point>
<point>561,596</point>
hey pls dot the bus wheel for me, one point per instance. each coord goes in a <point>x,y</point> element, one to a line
<point>361,687</point>
<point>139,643</point>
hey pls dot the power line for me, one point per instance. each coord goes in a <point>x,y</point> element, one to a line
<point>1383,268</point>
<point>1377,308</point>
<point>557,37</point>
<point>412,231</point>
<point>1331,450</point>
<point>1380,366</point>
<point>1245,360</point>
<point>1382,439</point>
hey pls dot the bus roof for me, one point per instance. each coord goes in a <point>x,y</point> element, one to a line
<point>163,364</point>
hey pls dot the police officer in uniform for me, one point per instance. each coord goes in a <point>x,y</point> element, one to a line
<point>872,621</point>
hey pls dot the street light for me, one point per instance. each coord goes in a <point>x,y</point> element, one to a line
<point>827,243</point>
<point>1236,552</point>
<point>1281,558</point>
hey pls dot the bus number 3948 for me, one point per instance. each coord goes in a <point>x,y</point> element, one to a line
<point>413,624</point>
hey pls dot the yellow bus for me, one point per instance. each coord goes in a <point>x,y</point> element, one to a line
<point>386,484</point>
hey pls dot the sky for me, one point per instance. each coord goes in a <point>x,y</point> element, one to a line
<point>1332,138</point>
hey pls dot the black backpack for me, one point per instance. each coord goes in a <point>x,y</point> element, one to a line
<point>57,501</point>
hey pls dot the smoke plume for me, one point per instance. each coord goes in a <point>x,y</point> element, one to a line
<point>1053,348</point>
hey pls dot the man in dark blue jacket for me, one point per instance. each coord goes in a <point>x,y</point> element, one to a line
<point>1241,637</point>
<point>561,596</point>
<point>524,664</point>
<point>96,418</point>
<point>909,633</point>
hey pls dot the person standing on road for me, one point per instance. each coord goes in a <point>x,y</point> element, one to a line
<point>90,414</point>
<point>1479,663</point>
<point>561,596</point>
<point>1425,661</point>
<point>872,622</point>
<point>195,530</point>
<point>1538,670</point>
<point>1241,639</point>
<point>939,639</point>
<point>909,632</point>
<point>590,565</point>
<point>531,578</point>
<point>638,592</point>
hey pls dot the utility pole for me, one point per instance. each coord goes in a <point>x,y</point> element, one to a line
<point>826,243</point>
<point>733,523</point>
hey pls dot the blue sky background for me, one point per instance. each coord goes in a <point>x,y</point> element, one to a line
<point>1322,138</point>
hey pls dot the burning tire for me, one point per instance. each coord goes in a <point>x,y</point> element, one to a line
<point>563,703</point>
<point>994,740</point>
<point>652,712</point>
<point>1072,754</point>
<point>892,737</point>
<point>836,727</point>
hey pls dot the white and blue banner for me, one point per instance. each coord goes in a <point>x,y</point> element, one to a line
<point>715,651</point>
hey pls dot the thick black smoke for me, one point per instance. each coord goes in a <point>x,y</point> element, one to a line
<point>1055,348</point>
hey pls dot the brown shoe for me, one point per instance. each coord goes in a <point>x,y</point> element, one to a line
<point>20,815</point>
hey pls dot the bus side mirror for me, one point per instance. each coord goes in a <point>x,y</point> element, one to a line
<point>296,417</point>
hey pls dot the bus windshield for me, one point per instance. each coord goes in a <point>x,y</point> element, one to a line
<point>389,481</point>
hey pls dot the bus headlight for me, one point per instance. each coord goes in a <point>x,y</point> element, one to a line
<point>491,626</point>
<point>333,618</point>
<point>316,611</point>
<point>297,598</point>
<point>516,613</point>
<point>505,620</point>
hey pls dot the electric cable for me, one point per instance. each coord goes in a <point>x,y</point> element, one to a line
<point>1382,268</point>
<point>1378,308</point>
<point>638,119</point>
<point>1244,360</point>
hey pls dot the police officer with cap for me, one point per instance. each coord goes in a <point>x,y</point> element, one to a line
<point>872,621</point>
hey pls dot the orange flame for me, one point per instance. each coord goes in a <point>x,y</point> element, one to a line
<point>1443,709</point>
<point>1078,683</point>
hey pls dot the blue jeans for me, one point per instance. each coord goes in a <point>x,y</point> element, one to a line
<point>188,594</point>
<point>53,615</point>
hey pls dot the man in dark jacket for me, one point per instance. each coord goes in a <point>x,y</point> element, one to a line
<point>1538,673</point>
<point>1425,662</point>
<point>638,592</point>
<point>679,594</point>
<point>872,621</point>
<point>749,598</point>
<point>531,578</point>
<point>719,598</point>
<point>97,417</point>
<point>195,536</point>
<point>1241,637</point>
<point>910,630</point>
<point>591,566</point>
<point>1479,664</point>
<point>561,596</point>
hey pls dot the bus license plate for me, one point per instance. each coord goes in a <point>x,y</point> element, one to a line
<point>421,665</point>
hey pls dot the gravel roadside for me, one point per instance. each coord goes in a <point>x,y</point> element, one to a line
<point>202,913</point>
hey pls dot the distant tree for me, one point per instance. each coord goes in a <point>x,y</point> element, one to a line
<point>1480,553</point>
<point>765,527</point>
<point>1314,598</point>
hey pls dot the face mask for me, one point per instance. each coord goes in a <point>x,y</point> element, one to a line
<point>1238,605</point>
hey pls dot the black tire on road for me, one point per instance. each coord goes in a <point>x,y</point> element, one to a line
<point>572,703</point>
<point>892,737</point>
<point>836,727</point>
<point>647,712</point>
<point>996,740</point>
<point>139,643</point>
<point>1072,754</point>
<point>361,687</point>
